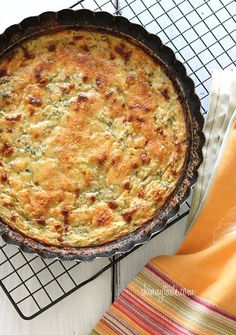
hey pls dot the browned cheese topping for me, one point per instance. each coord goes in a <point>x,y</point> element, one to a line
<point>92,138</point>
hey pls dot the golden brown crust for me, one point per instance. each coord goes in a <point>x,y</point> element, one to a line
<point>93,138</point>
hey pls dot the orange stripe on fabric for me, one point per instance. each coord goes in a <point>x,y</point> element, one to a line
<point>123,315</point>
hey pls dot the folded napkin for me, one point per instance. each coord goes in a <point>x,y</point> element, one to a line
<point>194,291</point>
<point>222,102</point>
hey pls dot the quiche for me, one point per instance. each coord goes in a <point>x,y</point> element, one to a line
<point>93,137</point>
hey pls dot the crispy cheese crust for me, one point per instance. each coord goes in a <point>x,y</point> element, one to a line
<point>93,138</point>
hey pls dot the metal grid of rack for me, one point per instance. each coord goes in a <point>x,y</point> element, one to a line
<point>203,36</point>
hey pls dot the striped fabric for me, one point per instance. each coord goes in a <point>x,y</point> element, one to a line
<point>154,304</point>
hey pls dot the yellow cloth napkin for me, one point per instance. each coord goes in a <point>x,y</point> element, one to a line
<point>206,260</point>
<point>222,103</point>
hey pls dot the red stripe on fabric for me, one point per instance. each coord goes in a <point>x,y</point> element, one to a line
<point>123,322</point>
<point>190,296</point>
<point>109,324</point>
<point>156,314</point>
<point>141,321</point>
<point>156,321</point>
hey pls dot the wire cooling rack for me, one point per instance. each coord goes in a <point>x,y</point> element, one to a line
<point>203,36</point>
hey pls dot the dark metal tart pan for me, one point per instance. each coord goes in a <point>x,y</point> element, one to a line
<point>102,21</point>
